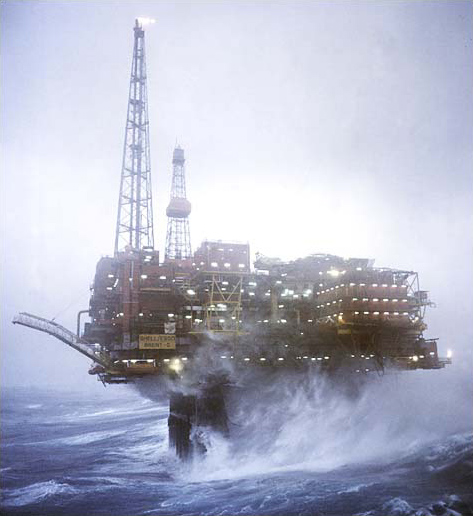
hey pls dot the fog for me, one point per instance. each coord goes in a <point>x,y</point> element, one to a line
<point>337,127</point>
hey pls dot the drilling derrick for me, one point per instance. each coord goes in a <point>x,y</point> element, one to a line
<point>178,243</point>
<point>135,212</point>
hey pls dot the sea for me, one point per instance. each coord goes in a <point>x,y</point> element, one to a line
<point>401,445</point>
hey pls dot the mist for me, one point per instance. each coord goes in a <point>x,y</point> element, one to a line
<point>293,422</point>
<point>308,127</point>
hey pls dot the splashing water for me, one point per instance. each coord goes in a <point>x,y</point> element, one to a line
<point>284,422</point>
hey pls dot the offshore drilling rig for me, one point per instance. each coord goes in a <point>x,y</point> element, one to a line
<point>152,318</point>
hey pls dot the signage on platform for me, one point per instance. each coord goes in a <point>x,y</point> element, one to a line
<point>151,341</point>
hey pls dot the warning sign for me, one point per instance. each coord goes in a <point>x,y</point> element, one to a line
<point>150,341</point>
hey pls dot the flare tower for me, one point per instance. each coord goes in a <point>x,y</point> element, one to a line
<point>178,242</point>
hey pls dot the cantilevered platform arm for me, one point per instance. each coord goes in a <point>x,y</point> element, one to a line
<point>63,334</point>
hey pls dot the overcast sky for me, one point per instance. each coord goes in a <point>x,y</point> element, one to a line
<point>340,127</point>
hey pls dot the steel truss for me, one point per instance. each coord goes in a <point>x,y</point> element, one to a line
<point>135,210</point>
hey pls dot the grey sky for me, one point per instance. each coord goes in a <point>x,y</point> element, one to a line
<point>339,127</point>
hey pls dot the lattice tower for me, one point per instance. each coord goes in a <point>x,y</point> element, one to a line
<point>135,209</point>
<point>178,243</point>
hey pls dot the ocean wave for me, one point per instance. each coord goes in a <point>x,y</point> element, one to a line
<point>88,438</point>
<point>356,488</point>
<point>34,406</point>
<point>451,505</point>
<point>135,412</point>
<point>36,493</point>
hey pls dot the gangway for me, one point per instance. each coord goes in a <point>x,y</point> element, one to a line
<point>64,335</point>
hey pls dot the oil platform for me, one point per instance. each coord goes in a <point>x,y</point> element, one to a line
<point>152,317</point>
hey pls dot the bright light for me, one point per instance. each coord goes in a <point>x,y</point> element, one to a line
<point>176,365</point>
<point>449,353</point>
<point>214,264</point>
<point>191,292</point>
<point>170,315</point>
<point>142,20</point>
<point>144,276</point>
<point>334,273</point>
<point>415,358</point>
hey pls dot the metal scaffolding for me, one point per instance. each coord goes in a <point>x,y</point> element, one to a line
<point>178,243</point>
<point>135,211</point>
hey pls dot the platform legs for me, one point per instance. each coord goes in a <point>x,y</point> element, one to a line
<point>189,415</point>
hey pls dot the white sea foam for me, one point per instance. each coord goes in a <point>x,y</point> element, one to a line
<point>397,507</point>
<point>355,489</point>
<point>35,493</point>
<point>308,423</point>
<point>88,438</point>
